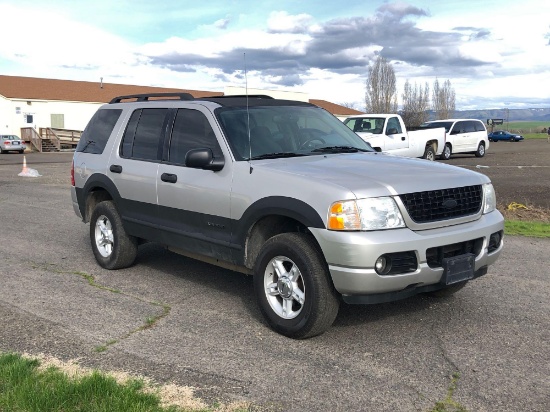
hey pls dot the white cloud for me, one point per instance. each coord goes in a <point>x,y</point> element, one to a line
<point>282,22</point>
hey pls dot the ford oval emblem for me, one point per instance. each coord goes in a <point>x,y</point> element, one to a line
<point>449,204</point>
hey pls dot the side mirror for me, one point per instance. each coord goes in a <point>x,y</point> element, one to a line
<point>393,130</point>
<point>203,159</point>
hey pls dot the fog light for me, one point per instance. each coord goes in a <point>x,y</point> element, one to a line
<point>383,265</point>
<point>494,241</point>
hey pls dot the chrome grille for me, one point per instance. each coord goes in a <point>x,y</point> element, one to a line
<point>443,204</point>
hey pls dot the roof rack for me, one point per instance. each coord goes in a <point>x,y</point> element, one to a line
<point>147,96</point>
<point>250,96</point>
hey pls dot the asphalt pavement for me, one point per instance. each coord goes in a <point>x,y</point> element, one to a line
<point>206,331</point>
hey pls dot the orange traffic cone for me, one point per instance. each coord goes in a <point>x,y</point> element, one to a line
<point>25,170</point>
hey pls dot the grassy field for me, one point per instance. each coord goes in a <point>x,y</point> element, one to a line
<point>525,127</point>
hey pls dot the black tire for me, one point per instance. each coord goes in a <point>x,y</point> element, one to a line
<point>447,151</point>
<point>307,294</point>
<point>446,292</point>
<point>429,153</point>
<point>512,139</point>
<point>113,248</point>
<point>480,152</point>
<point>21,151</point>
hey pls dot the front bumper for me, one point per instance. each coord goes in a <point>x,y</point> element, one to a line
<point>351,257</point>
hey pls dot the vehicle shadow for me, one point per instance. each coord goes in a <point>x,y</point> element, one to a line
<point>233,285</point>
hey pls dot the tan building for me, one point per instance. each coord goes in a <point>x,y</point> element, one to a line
<point>29,102</point>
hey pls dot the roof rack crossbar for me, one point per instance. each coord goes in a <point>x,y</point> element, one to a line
<point>145,97</point>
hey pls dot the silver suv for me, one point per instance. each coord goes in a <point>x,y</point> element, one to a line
<point>283,191</point>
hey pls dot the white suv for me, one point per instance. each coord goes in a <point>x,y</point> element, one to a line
<point>463,136</point>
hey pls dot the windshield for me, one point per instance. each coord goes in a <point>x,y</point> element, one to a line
<point>374,125</point>
<point>435,125</point>
<point>286,131</point>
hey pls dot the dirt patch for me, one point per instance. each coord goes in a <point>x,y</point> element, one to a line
<point>518,211</point>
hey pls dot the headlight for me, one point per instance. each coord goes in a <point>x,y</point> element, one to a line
<point>489,198</point>
<point>365,214</point>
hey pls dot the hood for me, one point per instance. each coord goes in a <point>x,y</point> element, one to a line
<point>373,174</point>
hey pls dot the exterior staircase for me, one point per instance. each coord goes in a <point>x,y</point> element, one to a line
<point>48,146</point>
<point>51,140</point>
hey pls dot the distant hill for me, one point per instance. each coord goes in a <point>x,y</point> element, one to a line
<point>512,115</point>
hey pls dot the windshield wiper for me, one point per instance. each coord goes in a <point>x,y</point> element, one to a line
<point>276,155</point>
<point>339,149</point>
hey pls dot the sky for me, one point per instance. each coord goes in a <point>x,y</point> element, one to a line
<point>496,54</point>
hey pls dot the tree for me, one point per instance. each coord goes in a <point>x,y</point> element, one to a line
<point>443,100</point>
<point>416,102</point>
<point>381,90</point>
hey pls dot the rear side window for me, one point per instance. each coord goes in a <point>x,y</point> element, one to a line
<point>143,134</point>
<point>97,132</point>
<point>192,130</point>
<point>480,127</point>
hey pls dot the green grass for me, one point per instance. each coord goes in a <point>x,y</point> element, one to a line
<point>23,387</point>
<point>27,386</point>
<point>527,125</point>
<point>524,228</point>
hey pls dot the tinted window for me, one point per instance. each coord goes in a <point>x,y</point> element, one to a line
<point>97,132</point>
<point>143,133</point>
<point>435,125</point>
<point>459,127</point>
<point>480,127</point>
<point>470,127</point>
<point>191,131</point>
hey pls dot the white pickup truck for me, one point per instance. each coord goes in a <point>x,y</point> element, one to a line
<point>387,133</point>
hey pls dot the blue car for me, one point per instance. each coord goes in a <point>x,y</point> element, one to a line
<point>504,135</point>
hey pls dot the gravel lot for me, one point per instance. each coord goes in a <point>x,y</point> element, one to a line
<point>209,334</point>
<point>520,171</point>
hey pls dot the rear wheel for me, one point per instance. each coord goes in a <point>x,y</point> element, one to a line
<point>429,153</point>
<point>293,288</point>
<point>480,152</point>
<point>113,248</point>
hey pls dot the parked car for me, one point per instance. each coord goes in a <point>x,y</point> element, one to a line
<point>11,143</point>
<point>388,133</point>
<point>504,135</point>
<point>283,191</point>
<point>463,136</point>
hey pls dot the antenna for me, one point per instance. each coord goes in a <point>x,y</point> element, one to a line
<point>247,115</point>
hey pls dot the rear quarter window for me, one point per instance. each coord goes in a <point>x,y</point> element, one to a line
<point>480,127</point>
<point>96,134</point>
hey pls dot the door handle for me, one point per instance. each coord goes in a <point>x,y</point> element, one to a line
<point>116,168</point>
<point>169,177</point>
<point>403,138</point>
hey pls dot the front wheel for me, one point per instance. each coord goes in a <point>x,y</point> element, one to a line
<point>293,288</point>
<point>429,153</point>
<point>113,248</point>
<point>447,151</point>
<point>480,152</point>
